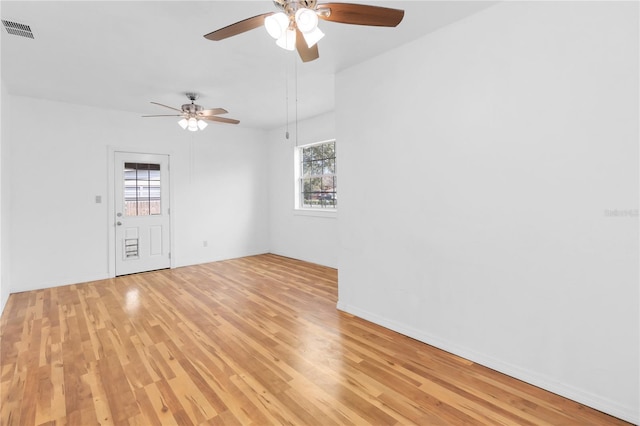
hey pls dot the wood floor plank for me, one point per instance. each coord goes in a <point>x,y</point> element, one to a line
<point>99,394</point>
<point>158,404</point>
<point>249,341</point>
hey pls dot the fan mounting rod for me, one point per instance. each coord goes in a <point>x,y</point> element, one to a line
<point>290,7</point>
<point>192,96</point>
<point>191,108</point>
<point>294,4</point>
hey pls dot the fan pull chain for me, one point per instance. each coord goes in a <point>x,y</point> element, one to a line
<point>286,87</point>
<point>295,70</point>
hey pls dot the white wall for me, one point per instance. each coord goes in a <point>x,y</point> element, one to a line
<point>474,216</point>
<point>59,235</point>
<point>4,196</point>
<point>313,238</point>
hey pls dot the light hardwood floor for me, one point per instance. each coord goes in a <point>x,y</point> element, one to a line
<point>256,340</point>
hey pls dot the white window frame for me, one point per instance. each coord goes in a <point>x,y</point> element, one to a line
<point>298,208</point>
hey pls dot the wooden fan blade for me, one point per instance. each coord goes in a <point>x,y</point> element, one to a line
<point>220,119</point>
<point>170,115</point>
<point>167,106</point>
<point>306,53</point>
<point>214,111</point>
<point>361,14</point>
<point>237,28</point>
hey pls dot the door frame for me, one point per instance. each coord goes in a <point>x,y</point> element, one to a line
<point>111,204</point>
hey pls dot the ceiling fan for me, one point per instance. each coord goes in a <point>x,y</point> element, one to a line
<point>296,25</point>
<point>194,116</point>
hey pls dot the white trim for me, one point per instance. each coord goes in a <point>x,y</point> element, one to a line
<point>328,213</point>
<point>307,145</point>
<point>597,402</point>
<point>60,282</point>
<point>305,211</point>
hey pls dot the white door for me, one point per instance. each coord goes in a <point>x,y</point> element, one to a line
<point>141,212</point>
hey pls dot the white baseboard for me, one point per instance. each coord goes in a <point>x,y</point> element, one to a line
<point>3,302</point>
<point>59,283</point>
<point>597,402</point>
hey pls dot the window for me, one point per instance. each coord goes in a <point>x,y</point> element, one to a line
<point>141,189</point>
<point>316,176</point>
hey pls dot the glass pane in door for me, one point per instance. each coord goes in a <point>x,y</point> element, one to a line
<point>142,189</point>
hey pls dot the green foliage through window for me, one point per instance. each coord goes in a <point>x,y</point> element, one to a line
<point>318,182</point>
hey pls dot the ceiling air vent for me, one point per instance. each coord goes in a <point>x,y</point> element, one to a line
<point>14,28</point>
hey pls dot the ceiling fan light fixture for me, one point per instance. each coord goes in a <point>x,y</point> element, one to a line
<point>306,20</point>
<point>303,16</point>
<point>192,116</point>
<point>276,24</point>
<point>288,40</point>
<point>313,37</point>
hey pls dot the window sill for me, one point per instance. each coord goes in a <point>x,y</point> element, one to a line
<point>329,213</point>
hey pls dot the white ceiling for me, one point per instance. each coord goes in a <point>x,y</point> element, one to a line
<point>123,54</point>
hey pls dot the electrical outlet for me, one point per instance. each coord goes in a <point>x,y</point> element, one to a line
<point>205,243</point>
